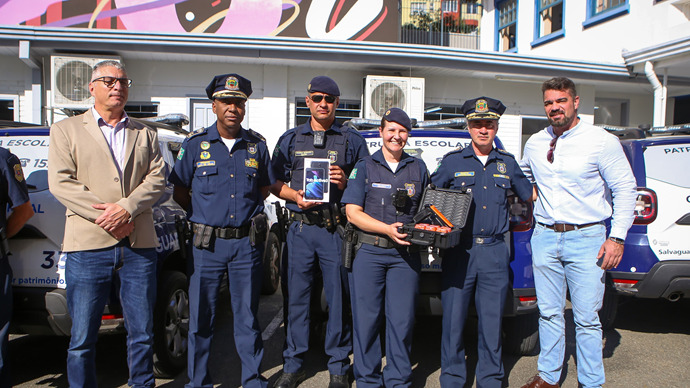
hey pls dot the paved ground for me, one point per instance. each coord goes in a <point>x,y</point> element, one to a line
<point>649,346</point>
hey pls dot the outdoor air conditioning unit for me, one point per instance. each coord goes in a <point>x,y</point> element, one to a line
<point>382,93</point>
<point>70,76</point>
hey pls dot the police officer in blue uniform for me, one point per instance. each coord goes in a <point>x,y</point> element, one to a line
<point>312,239</point>
<point>383,193</point>
<point>227,169</point>
<point>478,267</point>
<point>13,191</point>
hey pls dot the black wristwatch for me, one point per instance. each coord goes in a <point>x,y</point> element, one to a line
<point>617,240</point>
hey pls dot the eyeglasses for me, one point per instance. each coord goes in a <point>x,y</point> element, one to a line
<point>552,147</point>
<point>318,97</point>
<point>110,81</point>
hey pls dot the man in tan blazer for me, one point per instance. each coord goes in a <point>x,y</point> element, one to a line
<point>108,172</point>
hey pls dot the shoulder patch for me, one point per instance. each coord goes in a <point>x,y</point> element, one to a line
<point>255,134</point>
<point>18,173</point>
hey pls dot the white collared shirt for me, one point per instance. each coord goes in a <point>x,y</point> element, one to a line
<point>589,167</point>
<point>115,136</point>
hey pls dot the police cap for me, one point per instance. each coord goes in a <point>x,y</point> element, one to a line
<point>229,85</point>
<point>483,108</point>
<point>399,116</point>
<point>323,84</point>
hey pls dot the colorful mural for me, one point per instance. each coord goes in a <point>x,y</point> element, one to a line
<point>375,20</point>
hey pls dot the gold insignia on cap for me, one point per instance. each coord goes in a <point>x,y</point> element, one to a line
<point>309,87</point>
<point>388,112</point>
<point>481,106</point>
<point>232,83</point>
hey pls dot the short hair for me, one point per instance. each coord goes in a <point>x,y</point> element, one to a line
<point>561,84</point>
<point>107,63</point>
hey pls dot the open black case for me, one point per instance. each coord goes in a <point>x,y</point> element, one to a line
<point>454,205</point>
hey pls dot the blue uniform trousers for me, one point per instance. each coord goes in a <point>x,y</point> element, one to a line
<point>480,272</point>
<point>243,265</point>
<point>309,245</point>
<point>5,317</point>
<point>383,281</point>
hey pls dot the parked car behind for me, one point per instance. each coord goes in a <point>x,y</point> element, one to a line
<point>656,259</point>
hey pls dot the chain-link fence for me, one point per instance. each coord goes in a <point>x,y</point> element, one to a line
<point>453,23</point>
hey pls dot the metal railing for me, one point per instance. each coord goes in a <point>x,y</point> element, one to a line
<point>449,23</point>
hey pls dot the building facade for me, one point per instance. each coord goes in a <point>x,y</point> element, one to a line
<point>357,43</point>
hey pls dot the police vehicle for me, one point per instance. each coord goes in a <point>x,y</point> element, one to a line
<point>656,259</point>
<point>430,141</point>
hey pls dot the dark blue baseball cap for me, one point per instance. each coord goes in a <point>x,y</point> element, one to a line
<point>483,108</point>
<point>323,84</point>
<point>229,85</point>
<point>399,116</point>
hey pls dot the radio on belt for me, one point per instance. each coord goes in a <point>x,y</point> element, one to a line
<point>440,219</point>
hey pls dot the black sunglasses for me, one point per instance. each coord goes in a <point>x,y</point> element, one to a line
<point>110,81</point>
<point>318,97</point>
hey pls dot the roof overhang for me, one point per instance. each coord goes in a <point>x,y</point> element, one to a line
<point>371,57</point>
<point>671,58</point>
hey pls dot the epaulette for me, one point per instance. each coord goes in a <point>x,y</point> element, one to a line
<point>196,132</point>
<point>256,135</point>
<point>504,152</point>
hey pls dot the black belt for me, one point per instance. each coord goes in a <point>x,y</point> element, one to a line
<point>328,218</point>
<point>561,227</point>
<point>228,233</point>
<point>376,240</point>
<point>479,240</point>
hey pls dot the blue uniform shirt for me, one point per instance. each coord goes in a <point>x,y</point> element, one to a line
<point>490,186</point>
<point>13,189</point>
<point>344,147</point>
<point>375,195</point>
<point>225,183</point>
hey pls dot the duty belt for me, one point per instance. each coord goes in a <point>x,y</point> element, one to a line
<point>375,240</point>
<point>479,240</point>
<point>561,227</point>
<point>226,233</point>
<point>327,218</point>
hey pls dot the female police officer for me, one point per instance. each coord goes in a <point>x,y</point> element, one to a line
<point>383,193</point>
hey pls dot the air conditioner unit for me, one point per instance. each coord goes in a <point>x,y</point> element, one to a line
<point>382,93</point>
<point>70,76</point>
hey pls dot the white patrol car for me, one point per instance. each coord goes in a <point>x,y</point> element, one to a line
<point>656,259</point>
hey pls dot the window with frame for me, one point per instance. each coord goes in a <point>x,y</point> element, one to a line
<point>347,109</point>
<point>506,31</point>
<point>449,6</point>
<point>472,8</point>
<point>417,7</point>
<point>549,20</point>
<point>602,10</point>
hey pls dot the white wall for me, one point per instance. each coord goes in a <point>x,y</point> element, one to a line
<point>15,80</point>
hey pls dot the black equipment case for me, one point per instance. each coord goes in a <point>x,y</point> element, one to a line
<point>453,204</point>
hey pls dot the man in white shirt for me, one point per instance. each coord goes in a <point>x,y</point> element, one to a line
<point>574,165</point>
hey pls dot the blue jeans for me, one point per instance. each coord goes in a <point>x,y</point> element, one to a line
<point>561,262</point>
<point>89,276</point>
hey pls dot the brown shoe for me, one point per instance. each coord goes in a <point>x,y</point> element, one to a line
<point>538,382</point>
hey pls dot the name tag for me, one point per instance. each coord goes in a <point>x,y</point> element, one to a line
<point>464,173</point>
<point>501,176</point>
<point>206,163</point>
<point>304,153</point>
<point>381,185</point>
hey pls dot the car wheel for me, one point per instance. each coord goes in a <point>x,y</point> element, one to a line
<point>521,334</point>
<point>271,264</point>
<point>171,325</point>
<point>609,307</point>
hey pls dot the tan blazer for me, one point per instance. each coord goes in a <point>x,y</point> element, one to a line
<point>82,172</point>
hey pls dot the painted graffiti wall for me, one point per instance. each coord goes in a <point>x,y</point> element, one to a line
<point>372,20</point>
